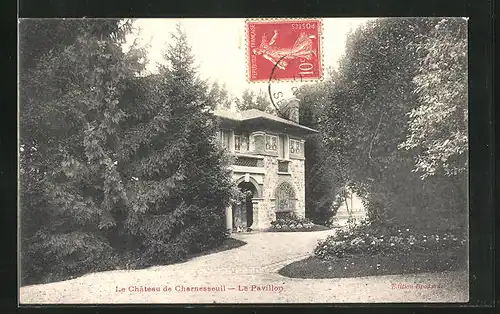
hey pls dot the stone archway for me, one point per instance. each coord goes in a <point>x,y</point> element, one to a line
<point>245,215</point>
<point>249,179</point>
<point>243,212</point>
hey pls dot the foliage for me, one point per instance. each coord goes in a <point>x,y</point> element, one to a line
<point>253,100</point>
<point>438,127</point>
<point>220,95</point>
<point>323,177</point>
<point>365,119</point>
<point>114,164</point>
<point>179,184</point>
<point>70,111</point>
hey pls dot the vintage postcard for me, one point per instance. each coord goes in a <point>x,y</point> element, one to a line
<point>237,161</point>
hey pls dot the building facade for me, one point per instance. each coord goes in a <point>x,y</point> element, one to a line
<point>268,165</point>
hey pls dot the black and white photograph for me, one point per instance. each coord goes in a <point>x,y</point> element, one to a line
<point>243,160</point>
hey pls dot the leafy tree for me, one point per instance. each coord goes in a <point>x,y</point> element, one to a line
<point>253,100</point>
<point>438,127</point>
<point>366,119</point>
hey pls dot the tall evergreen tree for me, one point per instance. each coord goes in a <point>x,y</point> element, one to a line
<point>177,180</point>
<point>114,165</point>
<point>70,113</point>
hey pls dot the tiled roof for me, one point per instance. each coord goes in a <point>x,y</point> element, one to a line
<point>255,114</point>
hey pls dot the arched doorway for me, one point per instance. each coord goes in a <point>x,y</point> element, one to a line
<point>243,210</point>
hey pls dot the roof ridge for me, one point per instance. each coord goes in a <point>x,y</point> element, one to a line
<point>240,116</point>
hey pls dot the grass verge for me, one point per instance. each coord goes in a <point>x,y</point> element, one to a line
<point>375,265</point>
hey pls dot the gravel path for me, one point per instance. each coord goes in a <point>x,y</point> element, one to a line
<point>253,267</point>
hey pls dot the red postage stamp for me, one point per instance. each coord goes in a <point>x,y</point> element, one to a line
<point>284,49</point>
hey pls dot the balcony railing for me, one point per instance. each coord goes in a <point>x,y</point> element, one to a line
<point>246,162</point>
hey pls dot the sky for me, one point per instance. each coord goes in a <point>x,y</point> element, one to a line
<point>218,46</point>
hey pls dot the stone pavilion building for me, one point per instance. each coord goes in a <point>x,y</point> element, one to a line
<point>269,166</point>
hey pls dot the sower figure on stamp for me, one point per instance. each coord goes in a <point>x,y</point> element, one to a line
<point>302,48</point>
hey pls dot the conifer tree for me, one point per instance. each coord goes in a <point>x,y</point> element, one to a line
<point>177,180</point>
<point>70,100</point>
<point>114,166</point>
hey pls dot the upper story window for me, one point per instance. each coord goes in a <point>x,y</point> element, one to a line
<point>271,143</point>
<point>237,143</point>
<point>295,147</point>
<point>225,138</point>
<point>245,143</point>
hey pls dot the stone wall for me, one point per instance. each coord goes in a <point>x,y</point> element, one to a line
<point>297,169</point>
<point>271,180</point>
<point>266,210</point>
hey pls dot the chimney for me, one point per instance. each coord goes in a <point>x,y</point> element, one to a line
<point>290,109</point>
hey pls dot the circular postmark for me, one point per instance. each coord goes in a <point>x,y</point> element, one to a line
<point>278,98</point>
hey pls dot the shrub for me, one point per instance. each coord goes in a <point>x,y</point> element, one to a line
<point>53,257</point>
<point>172,237</point>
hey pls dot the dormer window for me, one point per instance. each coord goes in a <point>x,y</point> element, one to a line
<point>271,143</point>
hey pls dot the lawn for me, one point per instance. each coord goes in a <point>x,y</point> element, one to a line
<point>375,265</point>
<point>229,244</point>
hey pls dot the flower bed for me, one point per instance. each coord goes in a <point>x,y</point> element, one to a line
<point>365,250</point>
<point>291,222</point>
<point>364,239</point>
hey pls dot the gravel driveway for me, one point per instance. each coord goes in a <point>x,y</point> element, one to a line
<point>247,274</point>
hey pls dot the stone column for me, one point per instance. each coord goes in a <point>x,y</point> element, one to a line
<point>229,218</point>
<point>255,209</point>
